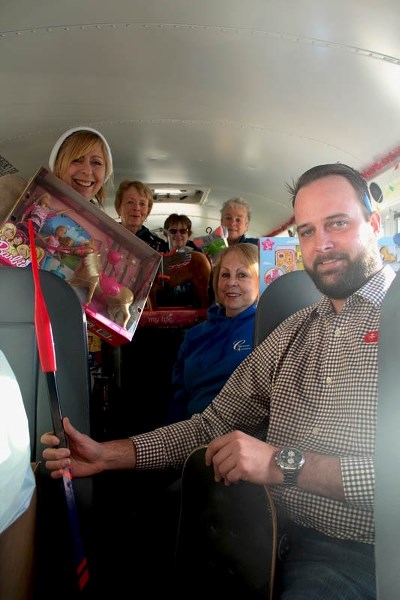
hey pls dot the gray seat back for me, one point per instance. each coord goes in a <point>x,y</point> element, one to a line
<point>18,342</point>
<point>387,456</point>
<point>283,297</point>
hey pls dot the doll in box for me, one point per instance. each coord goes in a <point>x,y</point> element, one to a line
<point>40,211</point>
<point>89,274</point>
<point>53,243</point>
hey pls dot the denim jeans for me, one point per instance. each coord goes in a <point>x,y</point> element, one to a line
<point>318,567</point>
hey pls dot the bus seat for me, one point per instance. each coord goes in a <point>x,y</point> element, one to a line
<point>179,268</point>
<point>284,296</point>
<point>18,343</point>
<point>387,454</point>
<point>227,538</point>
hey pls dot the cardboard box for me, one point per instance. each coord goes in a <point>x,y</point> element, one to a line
<point>279,255</point>
<point>17,553</point>
<point>110,269</point>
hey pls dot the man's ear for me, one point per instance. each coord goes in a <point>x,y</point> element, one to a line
<point>375,220</point>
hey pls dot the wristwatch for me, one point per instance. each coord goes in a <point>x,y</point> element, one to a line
<point>290,461</point>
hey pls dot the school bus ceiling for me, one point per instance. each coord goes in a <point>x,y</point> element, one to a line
<point>235,97</point>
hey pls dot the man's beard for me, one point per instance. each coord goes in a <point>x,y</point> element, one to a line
<point>349,278</point>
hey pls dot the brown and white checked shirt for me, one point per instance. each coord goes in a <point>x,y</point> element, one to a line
<point>314,382</point>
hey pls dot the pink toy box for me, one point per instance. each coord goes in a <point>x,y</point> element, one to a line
<point>110,269</point>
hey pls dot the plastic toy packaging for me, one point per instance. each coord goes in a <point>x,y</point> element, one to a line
<point>110,269</point>
<point>213,242</point>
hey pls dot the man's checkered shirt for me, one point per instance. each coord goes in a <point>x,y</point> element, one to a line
<point>311,384</point>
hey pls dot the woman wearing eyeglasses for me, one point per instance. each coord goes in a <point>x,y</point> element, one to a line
<point>178,228</point>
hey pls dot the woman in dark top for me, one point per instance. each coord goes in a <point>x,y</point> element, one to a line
<point>133,203</point>
<point>178,229</point>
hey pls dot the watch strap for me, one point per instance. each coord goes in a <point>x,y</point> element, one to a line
<point>290,478</point>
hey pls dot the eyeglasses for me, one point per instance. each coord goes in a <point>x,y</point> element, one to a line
<point>181,231</point>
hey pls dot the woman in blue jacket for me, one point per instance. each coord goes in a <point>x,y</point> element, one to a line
<point>212,350</point>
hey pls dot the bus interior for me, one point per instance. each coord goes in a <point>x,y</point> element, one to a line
<point>202,101</point>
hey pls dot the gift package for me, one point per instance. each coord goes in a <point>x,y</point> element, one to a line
<point>213,243</point>
<point>109,268</point>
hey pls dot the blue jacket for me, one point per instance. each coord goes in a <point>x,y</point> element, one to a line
<point>245,240</point>
<point>208,355</point>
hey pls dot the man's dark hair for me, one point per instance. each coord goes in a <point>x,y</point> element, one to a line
<point>319,172</point>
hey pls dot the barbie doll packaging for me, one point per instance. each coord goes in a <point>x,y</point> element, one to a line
<point>110,269</point>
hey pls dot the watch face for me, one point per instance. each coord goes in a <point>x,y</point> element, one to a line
<point>290,459</point>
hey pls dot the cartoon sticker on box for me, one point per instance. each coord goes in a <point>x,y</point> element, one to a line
<point>390,251</point>
<point>14,248</point>
<point>271,274</point>
<point>285,259</point>
<point>7,232</point>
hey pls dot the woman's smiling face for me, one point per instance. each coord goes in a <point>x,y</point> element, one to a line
<point>86,174</point>
<point>238,286</point>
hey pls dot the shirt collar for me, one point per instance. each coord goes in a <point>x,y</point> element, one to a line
<point>373,291</point>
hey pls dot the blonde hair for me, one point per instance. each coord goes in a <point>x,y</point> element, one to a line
<point>24,251</point>
<point>8,227</point>
<point>248,253</point>
<point>76,145</point>
<point>44,199</point>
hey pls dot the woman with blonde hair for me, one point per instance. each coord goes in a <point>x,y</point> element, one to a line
<point>81,157</point>
<point>212,350</point>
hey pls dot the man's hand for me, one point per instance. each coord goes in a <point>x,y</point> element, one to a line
<point>237,456</point>
<point>83,454</point>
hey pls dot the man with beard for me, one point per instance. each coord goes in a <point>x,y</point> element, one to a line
<point>299,413</point>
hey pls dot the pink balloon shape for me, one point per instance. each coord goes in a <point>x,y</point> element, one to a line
<point>109,286</point>
<point>114,257</point>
